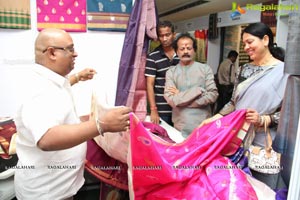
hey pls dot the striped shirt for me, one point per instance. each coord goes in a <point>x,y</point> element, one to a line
<point>157,65</point>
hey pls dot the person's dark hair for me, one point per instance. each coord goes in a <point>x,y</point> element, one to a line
<point>233,53</point>
<point>278,52</point>
<point>163,24</point>
<point>260,30</point>
<point>184,35</point>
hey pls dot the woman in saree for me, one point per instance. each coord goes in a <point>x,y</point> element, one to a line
<point>259,88</point>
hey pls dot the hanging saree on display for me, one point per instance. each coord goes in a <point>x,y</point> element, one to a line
<point>131,86</point>
<point>62,14</point>
<point>108,15</point>
<point>131,91</point>
<point>202,44</point>
<point>15,14</point>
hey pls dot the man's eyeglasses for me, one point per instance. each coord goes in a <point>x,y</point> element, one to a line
<point>70,49</point>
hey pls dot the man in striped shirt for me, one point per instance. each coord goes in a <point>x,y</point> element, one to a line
<point>158,62</point>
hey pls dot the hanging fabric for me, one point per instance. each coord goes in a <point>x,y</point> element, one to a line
<point>201,39</point>
<point>63,14</point>
<point>15,14</point>
<point>108,15</point>
<point>131,86</point>
<point>131,90</point>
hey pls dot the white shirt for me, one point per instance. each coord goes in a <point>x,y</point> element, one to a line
<point>46,174</point>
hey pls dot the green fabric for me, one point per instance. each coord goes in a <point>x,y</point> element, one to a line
<point>14,19</point>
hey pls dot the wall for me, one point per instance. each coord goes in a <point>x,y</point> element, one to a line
<point>99,50</point>
<point>224,19</point>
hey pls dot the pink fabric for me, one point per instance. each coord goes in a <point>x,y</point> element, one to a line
<point>62,14</point>
<point>193,169</point>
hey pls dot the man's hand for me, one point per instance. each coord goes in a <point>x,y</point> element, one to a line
<point>115,119</point>
<point>154,117</point>
<point>172,90</point>
<point>86,74</point>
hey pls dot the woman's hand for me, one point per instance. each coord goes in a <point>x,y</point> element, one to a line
<point>252,116</point>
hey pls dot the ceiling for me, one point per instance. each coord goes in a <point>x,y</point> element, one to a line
<point>180,10</point>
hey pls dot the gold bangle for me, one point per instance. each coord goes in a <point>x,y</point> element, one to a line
<point>77,77</point>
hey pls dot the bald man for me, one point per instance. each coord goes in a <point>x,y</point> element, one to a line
<point>51,143</point>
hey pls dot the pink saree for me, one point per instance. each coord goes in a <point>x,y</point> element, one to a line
<point>67,15</point>
<point>193,169</point>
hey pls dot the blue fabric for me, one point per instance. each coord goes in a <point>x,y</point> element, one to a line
<point>108,15</point>
<point>241,160</point>
<point>235,158</point>
<point>109,6</point>
<point>281,194</point>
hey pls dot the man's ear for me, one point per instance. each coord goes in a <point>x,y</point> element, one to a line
<point>51,53</point>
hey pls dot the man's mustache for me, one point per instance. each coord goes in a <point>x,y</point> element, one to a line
<point>186,55</point>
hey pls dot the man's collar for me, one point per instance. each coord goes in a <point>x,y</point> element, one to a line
<point>51,75</point>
